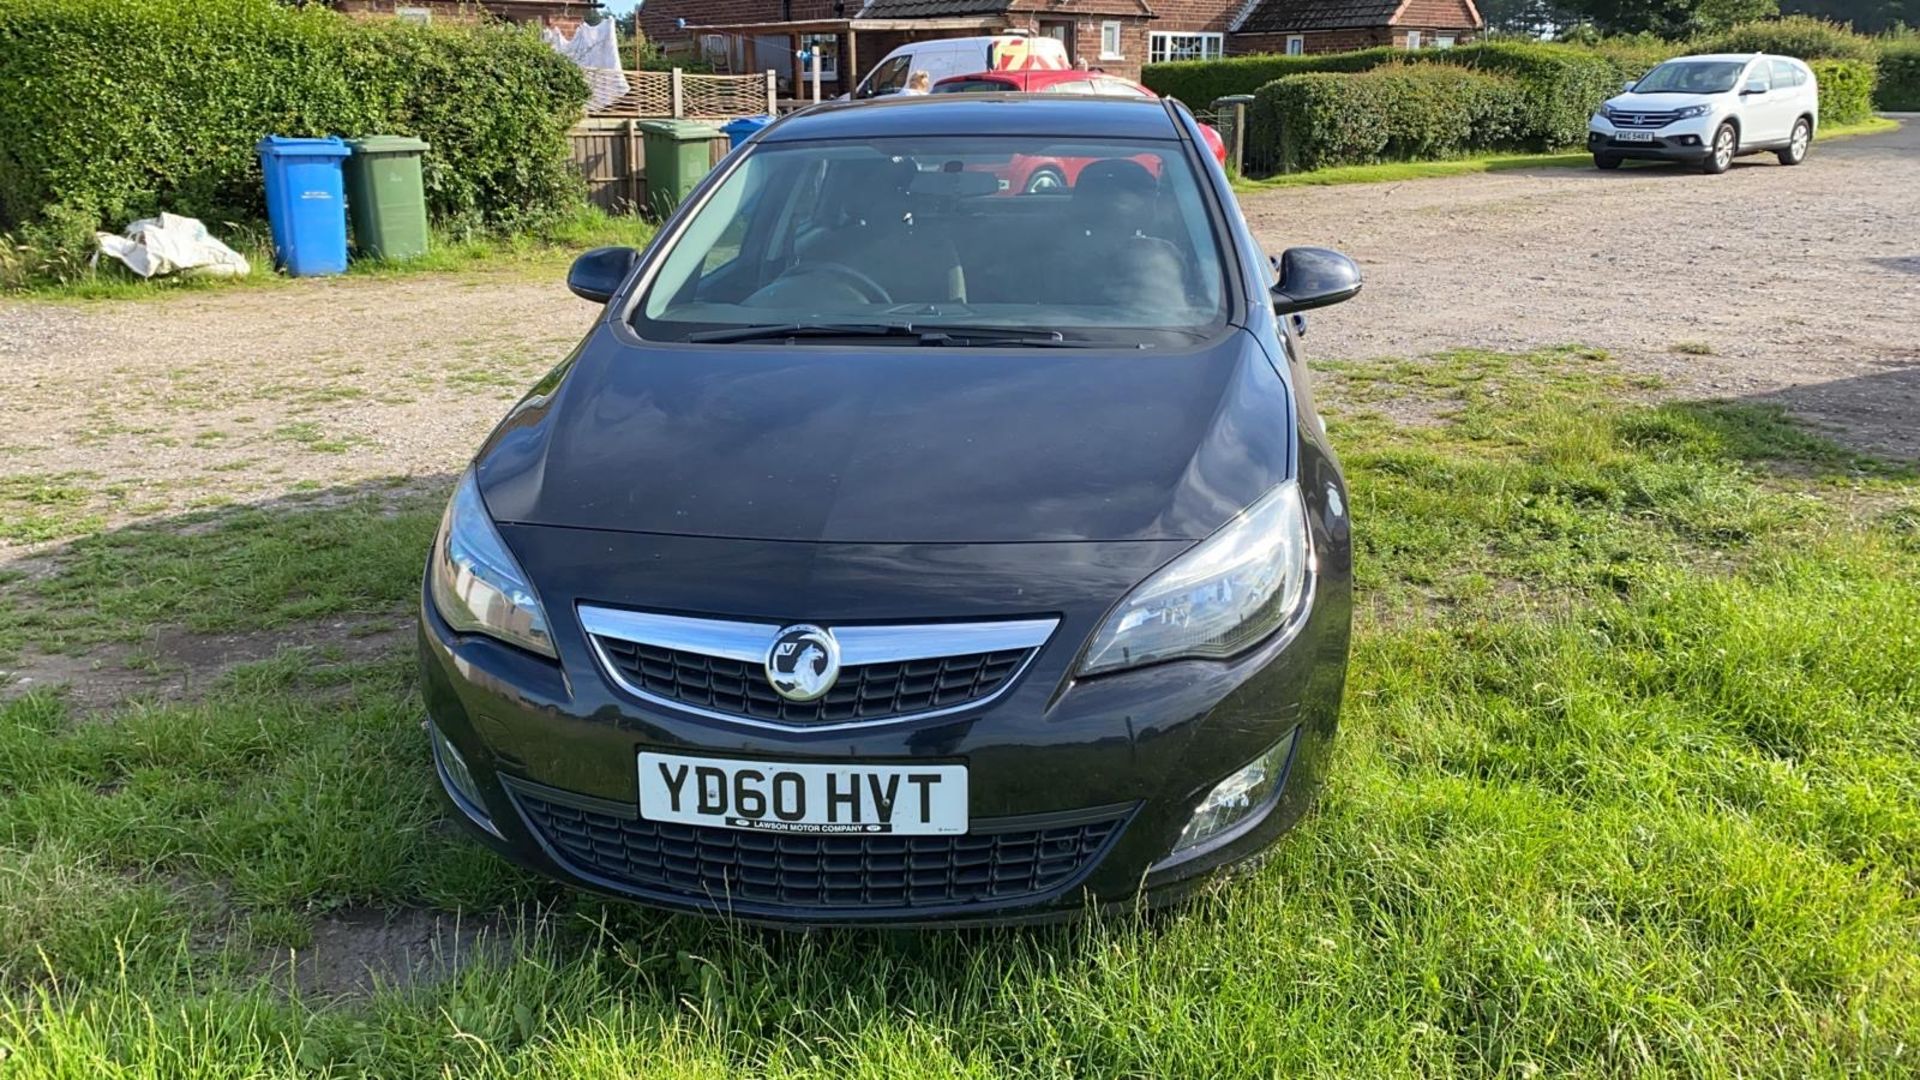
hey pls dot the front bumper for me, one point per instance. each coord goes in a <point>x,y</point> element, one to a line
<point>1681,140</point>
<point>1078,788</point>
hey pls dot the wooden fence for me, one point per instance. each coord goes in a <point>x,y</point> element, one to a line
<point>610,156</point>
<point>609,147</point>
<point>688,96</point>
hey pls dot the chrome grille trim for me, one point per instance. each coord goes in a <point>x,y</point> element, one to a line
<point>1642,121</point>
<point>860,645</point>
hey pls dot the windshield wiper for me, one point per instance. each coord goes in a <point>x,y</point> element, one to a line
<point>793,330</point>
<point>938,334</point>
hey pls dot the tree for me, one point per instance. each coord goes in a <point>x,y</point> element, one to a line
<point>1533,18</point>
<point>1671,18</point>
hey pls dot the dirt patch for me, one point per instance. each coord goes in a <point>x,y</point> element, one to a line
<point>173,664</point>
<point>361,950</point>
<point>1787,285</point>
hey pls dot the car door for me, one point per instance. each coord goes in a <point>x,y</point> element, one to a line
<point>889,78</point>
<point>1790,87</point>
<point>1760,107</point>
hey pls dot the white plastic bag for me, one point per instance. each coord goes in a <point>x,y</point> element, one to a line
<point>170,244</point>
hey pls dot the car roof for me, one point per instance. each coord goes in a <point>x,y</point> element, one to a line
<point>979,114</point>
<point>1726,57</point>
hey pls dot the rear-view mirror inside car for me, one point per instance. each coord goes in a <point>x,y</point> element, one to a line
<point>596,275</point>
<point>1312,277</point>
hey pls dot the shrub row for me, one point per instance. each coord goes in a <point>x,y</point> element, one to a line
<point>1795,35</point>
<point>117,109</point>
<point>1846,90</point>
<point>1400,112</point>
<point>1200,83</point>
<point>1560,89</point>
<point>1899,85</point>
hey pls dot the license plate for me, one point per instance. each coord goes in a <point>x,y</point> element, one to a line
<point>782,796</point>
<point>1634,136</point>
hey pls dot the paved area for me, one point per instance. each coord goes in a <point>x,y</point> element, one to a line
<point>1797,285</point>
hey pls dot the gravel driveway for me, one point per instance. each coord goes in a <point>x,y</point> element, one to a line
<point>1799,285</point>
<point>1802,284</point>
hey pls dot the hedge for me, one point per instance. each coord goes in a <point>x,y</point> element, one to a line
<point>1564,85</point>
<point>1398,113</point>
<point>1200,83</point>
<point>1796,35</point>
<point>120,108</point>
<point>1846,90</point>
<point>1899,86</point>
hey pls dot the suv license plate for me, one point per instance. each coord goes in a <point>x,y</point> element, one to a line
<point>784,796</point>
<point>1634,136</point>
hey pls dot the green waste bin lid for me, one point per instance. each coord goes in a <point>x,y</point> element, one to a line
<point>681,130</point>
<point>386,144</point>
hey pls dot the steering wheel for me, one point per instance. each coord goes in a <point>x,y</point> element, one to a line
<point>870,290</point>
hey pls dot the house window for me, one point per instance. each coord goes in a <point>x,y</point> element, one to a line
<point>418,15</point>
<point>1296,45</point>
<point>1110,41</point>
<point>827,47</point>
<point>1413,39</point>
<point>1443,41</point>
<point>1164,45</point>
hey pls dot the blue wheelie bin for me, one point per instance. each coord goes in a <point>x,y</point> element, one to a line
<point>306,203</point>
<point>740,129</point>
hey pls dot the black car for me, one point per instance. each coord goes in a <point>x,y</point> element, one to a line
<point>902,547</point>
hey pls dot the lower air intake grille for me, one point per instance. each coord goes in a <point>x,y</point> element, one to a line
<point>824,873</point>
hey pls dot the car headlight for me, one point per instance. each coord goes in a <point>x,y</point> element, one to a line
<point>1606,111</point>
<point>1225,594</point>
<point>477,586</point>
<point>1692,111</point>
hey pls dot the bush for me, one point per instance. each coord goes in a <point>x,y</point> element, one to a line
<point>1899,84</point>
<point>1846,90</point>
<point>1200,83</point>
<point>1395,113</point>
<point>1796,35</point>
<point>1632,55</point>
<point>117,109</point>
<point>1563,85</point>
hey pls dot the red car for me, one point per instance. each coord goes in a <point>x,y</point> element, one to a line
<point>1032,174</point>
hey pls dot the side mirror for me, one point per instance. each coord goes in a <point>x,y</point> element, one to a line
<point>1755,86</point>
<point>1627,87</point>
<point>1313,277</point>
<point>597,274</point>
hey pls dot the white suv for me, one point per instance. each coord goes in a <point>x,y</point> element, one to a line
<point>1708,110</point>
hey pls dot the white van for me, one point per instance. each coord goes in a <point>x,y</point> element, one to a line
<point>942,57</point>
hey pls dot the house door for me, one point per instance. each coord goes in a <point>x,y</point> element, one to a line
<point>1060,30</point>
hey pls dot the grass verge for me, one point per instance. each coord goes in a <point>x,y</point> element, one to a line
<point>535,252</point>
<point>1422,170</point>
<point>1628,784</point>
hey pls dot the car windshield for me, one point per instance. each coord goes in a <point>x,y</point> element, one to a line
<point>1080,240</point>
<point>1691,77</point>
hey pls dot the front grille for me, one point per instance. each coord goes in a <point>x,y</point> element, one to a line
<point>854,874</point>
<point>863,692</point>
<point>1643,119</point>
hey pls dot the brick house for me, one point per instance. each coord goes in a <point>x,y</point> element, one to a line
<point>1317,26</point>
<point>1115,35</point>
<point>564,15</point>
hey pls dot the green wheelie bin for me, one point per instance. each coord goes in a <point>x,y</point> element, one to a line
<point>386,199</point>
<point>678,154</point>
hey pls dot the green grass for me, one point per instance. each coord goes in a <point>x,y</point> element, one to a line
<point>1628,784</point>
<point>1421,170</point>
<point>534,252</point>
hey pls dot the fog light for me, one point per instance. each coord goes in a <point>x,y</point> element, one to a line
<point>457,778</point>
<point>1239,796</point>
